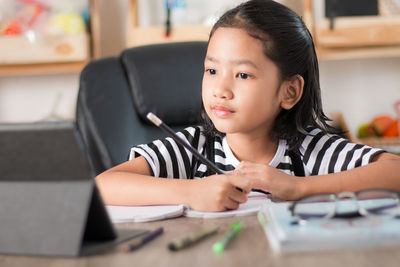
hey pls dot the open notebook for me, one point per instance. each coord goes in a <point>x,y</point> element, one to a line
<point>121,214</point>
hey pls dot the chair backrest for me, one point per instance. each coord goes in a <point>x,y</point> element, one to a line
<point>116,93</point>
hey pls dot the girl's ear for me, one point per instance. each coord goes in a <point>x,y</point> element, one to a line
<point>291,91</point>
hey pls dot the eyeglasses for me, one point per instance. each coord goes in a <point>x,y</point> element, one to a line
<point>371,202</point>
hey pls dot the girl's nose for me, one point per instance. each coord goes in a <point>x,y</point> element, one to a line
<point>223,89</point>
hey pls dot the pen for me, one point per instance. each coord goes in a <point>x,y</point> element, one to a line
<point>141,241</point>
<point>159,123</point>
<point>220,246</point>
<point>189,240</point>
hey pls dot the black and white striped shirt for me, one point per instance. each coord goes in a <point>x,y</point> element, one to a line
<point>319,154</point>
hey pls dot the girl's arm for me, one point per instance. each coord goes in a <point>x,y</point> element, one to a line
<point>131,183</point>
<point>383,172</point>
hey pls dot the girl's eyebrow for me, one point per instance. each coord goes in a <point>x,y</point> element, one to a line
<point>235,61</point>
<point>244,62</point>
<point>212,59</point>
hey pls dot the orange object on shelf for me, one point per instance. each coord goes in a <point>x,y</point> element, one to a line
<point>393,130</point>
<point>24,20</point>
<point>380,124</point>
<point>13,28</point>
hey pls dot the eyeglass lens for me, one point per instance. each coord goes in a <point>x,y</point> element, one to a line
<point>378,203</point>
<point>318,206</point>
<point>347,204</point>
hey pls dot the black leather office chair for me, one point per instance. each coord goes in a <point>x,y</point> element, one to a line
<point>116,93</point>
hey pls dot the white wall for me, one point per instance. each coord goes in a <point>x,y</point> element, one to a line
<point>360,89</point>
<point>33,98</point>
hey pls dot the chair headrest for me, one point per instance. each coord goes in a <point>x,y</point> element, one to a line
<point>166,79</point>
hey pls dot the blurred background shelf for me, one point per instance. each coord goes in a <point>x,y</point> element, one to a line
<point>358,53</point>
<point>156,34</point>
<point>67,53</point>
<point>354,37</point>
<point>42,68</point>
<point>137,35</point>
<point>351,37</point>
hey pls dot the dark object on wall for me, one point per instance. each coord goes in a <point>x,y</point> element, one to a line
<point>341,8</point>
<point>116,93</point>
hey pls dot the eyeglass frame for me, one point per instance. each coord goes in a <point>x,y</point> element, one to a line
<point>341,196</point>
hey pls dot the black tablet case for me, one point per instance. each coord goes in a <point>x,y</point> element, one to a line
<point>49,203</point>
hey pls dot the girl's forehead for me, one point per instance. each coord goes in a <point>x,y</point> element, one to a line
<point>231,33</point>
<point>235,43</point>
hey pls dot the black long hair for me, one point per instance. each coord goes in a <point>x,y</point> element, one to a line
<point>288,43</point>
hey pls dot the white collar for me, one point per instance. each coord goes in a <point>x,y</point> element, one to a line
<point>231,159</point>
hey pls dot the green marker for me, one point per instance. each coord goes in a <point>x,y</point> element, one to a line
<point>220,246</point>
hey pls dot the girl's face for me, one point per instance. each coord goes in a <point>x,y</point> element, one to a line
<point>240,84</point>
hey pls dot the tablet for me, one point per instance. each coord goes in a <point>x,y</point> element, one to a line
<point>49,202</point>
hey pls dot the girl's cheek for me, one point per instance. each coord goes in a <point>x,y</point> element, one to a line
<point>206,93</point>
<point>203,95</point>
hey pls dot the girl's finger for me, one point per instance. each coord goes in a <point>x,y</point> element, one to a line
<point>242,182</point>
<point>231,204</point>
<point>237,195</point>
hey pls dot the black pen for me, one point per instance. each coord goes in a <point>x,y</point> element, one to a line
<point>141,241</point>
<point>159,123</point>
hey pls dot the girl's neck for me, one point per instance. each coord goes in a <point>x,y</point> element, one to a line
<point>254,149</point>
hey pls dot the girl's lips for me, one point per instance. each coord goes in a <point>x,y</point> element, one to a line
<point>221,111</point>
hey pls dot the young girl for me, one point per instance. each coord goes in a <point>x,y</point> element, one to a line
<point>263,122</point>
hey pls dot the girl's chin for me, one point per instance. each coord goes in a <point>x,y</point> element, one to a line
<point>225,127</point>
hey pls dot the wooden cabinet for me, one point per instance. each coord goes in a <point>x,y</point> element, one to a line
<point>51,55</point>
<point>354,37</point>
<point>351,38</point>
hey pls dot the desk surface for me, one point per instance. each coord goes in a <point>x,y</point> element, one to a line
<point>249,249</point>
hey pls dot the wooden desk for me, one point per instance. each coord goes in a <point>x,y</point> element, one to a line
<point>249,249</point>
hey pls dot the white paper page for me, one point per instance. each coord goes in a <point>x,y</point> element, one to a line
<point>121,214</point>
<point>252,206</point>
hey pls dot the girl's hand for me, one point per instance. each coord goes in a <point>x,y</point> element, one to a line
<point>218,192</point>
<point>270,179</point>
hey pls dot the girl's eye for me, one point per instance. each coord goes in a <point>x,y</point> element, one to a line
<point>244,76</point>
<point>211,71</point>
